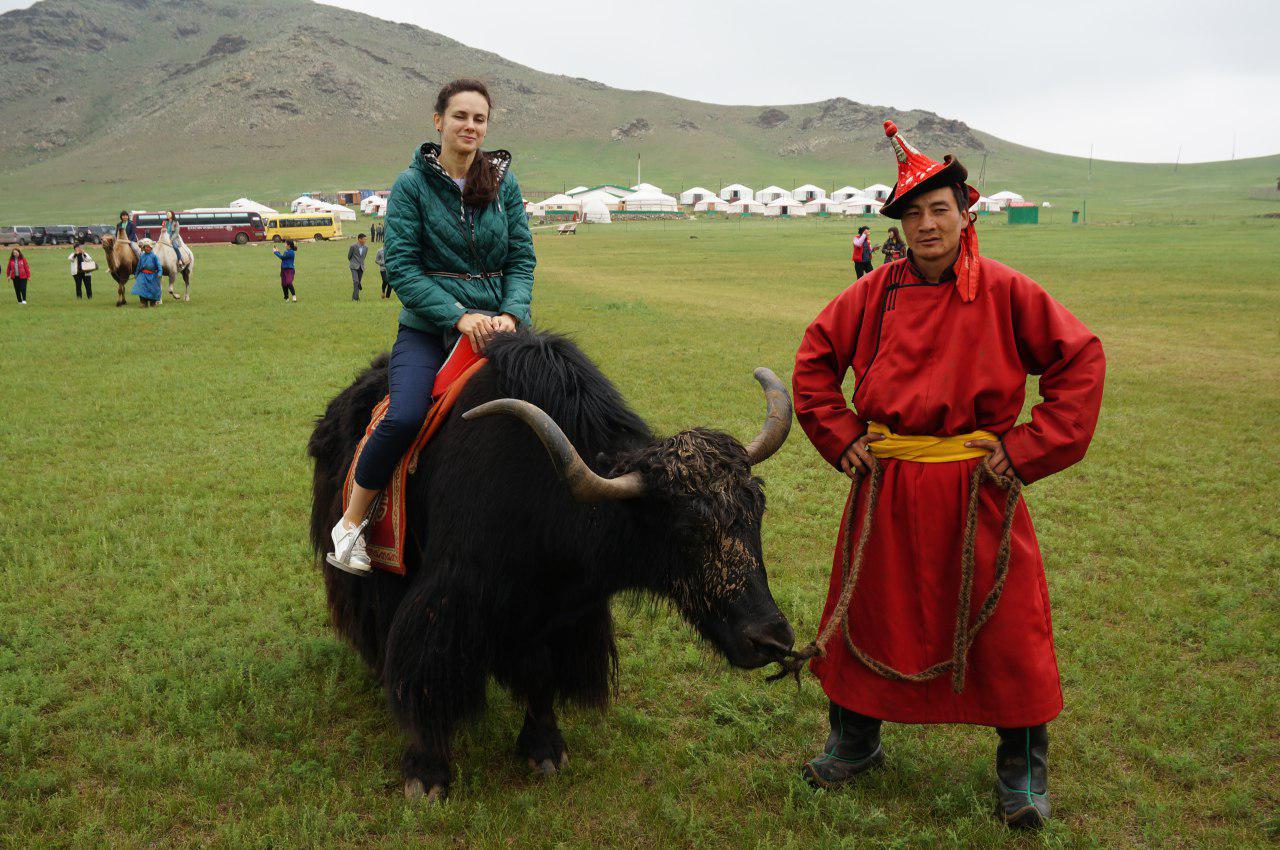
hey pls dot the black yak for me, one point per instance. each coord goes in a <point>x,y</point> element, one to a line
<point>513,559</point>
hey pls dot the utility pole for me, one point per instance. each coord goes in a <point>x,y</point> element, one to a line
<point>637,168</point>
<point>982,175</point>
<point>1091,162</point>
<point>1233,146</point>
<point>1177,161</point>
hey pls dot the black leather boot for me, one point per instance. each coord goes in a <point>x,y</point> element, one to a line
<point>852,747</point>
<point>1022,776</point>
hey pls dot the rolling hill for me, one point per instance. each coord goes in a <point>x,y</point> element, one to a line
<point>113,103</point>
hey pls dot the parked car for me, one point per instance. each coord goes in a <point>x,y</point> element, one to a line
<point>93,232</point>
<point>9,236</point>
<point>24,234</point>
<point>54,234</point>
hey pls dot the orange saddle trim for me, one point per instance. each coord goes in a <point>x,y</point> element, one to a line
<point>385,533</point>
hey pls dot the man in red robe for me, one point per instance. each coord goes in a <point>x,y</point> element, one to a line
<point>940,344</point>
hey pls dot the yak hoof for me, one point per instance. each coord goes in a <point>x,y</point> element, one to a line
<point>186,298</point>
<point>415,789</point>
<point>546,767</point>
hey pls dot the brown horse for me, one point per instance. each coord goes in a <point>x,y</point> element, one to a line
<point>121,261</point>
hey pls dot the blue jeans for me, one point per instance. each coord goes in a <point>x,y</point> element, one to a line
<point>416,358</point>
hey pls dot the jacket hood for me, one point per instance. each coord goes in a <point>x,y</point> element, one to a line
<point>427,160</point>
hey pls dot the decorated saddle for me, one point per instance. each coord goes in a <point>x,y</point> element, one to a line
<point>385,533</point>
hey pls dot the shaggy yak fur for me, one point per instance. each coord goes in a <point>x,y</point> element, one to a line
<point>510,577</point>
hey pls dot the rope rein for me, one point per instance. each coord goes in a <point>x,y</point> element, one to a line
<point>851,564</point>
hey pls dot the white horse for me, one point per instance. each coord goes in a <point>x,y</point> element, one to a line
<point>168,258</point>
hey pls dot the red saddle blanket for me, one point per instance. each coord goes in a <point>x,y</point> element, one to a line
<point>384,535</point>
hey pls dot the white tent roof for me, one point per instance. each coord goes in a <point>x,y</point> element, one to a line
<point>609,199</point>
<point>652,200</point>
<point>576,189</point>
<point>877,187</point>
<point>744,191</point>
<point>822,205</point>
<point>860,206</point>
<point>773,190</point>
<point>344,213</point>
<point>807,188</point>
<point>560,201</point>
<point>785,201</point>
<point>847,191</point>
<point>1006,195</point>
<point>745,205</point>
<point>710,203</point>
<point>687,196</point>
<point>641,187</point>
<point>596,212</point>
<point>246,204</point>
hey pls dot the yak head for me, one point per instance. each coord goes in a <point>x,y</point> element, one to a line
<point>699,509</point>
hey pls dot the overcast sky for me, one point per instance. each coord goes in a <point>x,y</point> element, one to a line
<point>1137,79</point>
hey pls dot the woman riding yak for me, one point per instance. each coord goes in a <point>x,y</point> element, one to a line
<point>460,258</point>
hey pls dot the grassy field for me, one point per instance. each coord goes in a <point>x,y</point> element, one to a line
<point>167,676</point>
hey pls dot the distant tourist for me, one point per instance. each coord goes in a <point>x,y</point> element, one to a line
<point>474,282</point>
<point>862,251</point>
<point>146,282</point>
<point>174,230</point>
<point>126,229</point>
<point>893,248</point>
<point>19,272</point>
<point>287,269</point>
<point>381,259</point>
<point>82,268</point>
<point>355,260</point>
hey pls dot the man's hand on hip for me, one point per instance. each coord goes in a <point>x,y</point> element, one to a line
<point>857,459</point>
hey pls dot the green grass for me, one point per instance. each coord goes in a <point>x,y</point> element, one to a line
<point>167,675</point>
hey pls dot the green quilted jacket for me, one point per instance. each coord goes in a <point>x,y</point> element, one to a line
<point>428,230</point>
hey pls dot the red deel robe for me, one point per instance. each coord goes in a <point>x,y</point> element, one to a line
<point>927,363</point>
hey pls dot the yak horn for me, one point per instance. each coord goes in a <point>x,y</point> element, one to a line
<point>777,418</point>
<point>584,485</point>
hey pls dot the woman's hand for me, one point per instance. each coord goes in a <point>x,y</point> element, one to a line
<point>505,323</point>
<point>476,327</point>
<point>997,461</point>
<point>857,459</point>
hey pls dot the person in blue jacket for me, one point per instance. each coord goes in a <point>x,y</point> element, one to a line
<point>287,269</point>
<point>146,283</point>
<point>126,229</point>
<point>460,258</point>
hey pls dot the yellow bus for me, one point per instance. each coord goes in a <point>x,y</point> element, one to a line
<point>302,226</point>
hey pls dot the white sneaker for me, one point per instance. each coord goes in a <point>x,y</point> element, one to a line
<point>349,553</point>
<point>295,298</point>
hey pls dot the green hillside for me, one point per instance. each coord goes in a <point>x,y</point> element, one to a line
<point>114,103</point>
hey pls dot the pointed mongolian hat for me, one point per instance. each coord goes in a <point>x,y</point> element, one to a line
<point>918,173</point>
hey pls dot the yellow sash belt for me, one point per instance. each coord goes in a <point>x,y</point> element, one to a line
<point>925,449</point>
